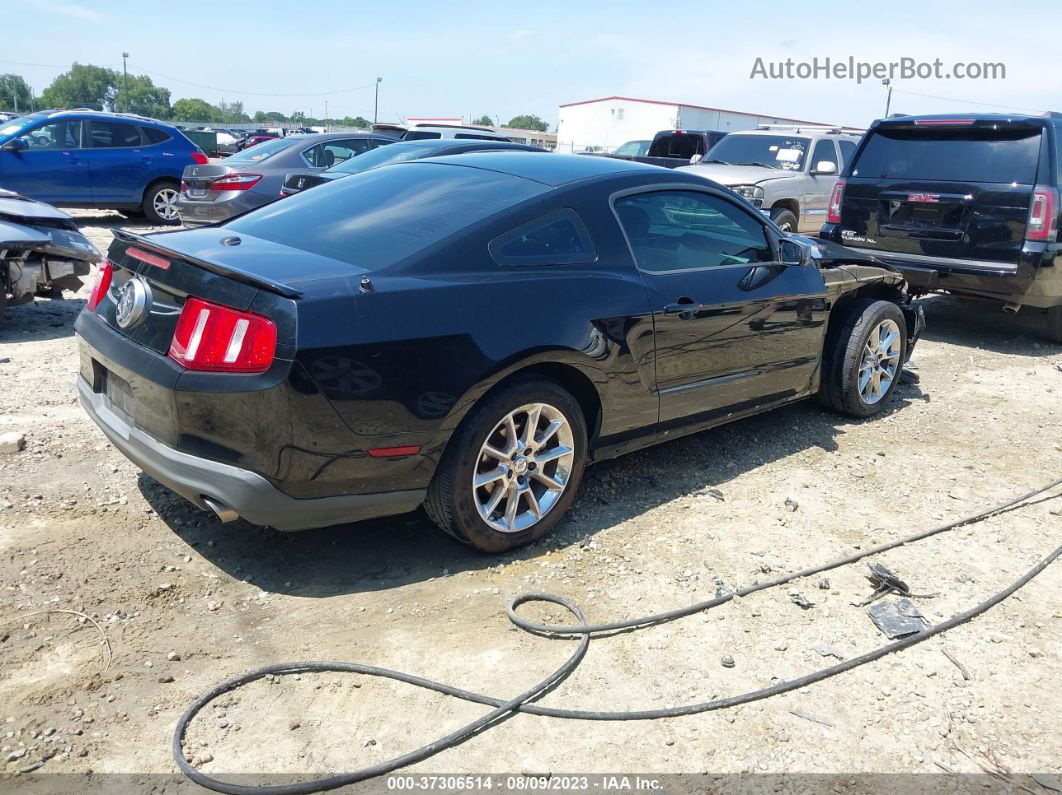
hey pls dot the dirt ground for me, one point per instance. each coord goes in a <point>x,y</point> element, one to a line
<point>185,601</point>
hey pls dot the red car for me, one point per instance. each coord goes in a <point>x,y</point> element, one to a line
<point>256,139</point>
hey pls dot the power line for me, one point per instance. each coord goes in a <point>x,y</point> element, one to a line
<point>965,101</point>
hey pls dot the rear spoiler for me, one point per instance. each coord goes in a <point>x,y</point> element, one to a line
<point>239,276</point>
<point>958,122</point>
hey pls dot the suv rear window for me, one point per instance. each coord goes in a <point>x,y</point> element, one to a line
<point>676,145</point>
<point>1006,155</point>
<point>384,215</point>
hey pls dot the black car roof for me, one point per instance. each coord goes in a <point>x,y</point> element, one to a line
<point>553,170</point>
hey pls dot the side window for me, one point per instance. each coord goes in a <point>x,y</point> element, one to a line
<point>338,151</point>
<point>58,135</point>
<point>313,155</point>
<point>420,135</point>
<point>478,137</point>
<point>824,150</point>
<point>109,135</point>
<point>154,135</point>
<point>679,230</point>
<point>557,238</point>
<point>847,151</point>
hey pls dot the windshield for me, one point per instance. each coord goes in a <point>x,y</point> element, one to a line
<point>770,151</point>
<point>633,149</point>
<point>262,151</point>
<point>382,156</point>
<point>12,128</point>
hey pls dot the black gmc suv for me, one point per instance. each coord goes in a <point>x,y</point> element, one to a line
<point>966,205</point>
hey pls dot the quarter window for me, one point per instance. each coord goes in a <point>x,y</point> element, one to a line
<point>559,238</point>
<point>154,135</point>
<point>109,135</point>
<point>679,230</point>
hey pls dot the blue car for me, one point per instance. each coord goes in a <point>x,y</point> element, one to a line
<point>85,158</point>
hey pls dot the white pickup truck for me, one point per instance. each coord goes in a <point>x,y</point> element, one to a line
<point>786,171</point>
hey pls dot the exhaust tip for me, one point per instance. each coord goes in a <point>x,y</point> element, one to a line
<point>1011,308</point>
<point>222,511</point>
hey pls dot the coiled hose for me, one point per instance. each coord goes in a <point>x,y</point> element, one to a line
<point>502,709</point>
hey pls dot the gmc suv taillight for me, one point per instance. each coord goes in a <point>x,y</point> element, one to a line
<point>221,339</point>
<point>1042,214</point>
<point>235,182</point>
<point>100,286</point>
<point>833,211</point>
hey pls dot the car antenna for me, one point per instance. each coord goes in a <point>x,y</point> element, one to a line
<point>366,285</point>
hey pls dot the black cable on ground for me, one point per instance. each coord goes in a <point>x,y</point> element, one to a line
<point>504,709</point>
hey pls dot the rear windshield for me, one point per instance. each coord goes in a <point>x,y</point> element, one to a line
<point>262,151</point>
<point>676,145</point>
<point>1008,155</point>
<point>382,216</point>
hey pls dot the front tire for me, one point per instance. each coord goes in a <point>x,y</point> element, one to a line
<point>784,220</point>
<point>160,203</point>
<point>511,470</point>
<point>863,358</point>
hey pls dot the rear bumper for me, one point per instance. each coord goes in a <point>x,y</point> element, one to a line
<point>247,493</point>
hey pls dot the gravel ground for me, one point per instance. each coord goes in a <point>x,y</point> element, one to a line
<point>185,601</point>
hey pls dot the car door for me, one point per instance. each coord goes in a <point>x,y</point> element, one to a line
<point>52,166</point>
<point>820,185</point>
<point>733,327</point>
<point>118,162</point>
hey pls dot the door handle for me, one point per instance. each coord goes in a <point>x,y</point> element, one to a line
<point>685,308</point>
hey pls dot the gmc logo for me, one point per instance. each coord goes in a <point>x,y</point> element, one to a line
<point>924,198</point>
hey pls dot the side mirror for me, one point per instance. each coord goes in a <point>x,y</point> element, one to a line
<point>695,159</point>
<point>14,145</point>
<point>790,252</point>
<point>825,167</point>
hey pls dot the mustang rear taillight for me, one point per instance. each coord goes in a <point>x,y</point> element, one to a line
<point>221,339</point>
<point>235,182</point>
<point>100,286</point>
<point>200,158</point>
<point>1042,214</point>
<point>833,211</point>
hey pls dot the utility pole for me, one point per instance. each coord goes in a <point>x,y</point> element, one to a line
<point>888,98</point>
<point>376,106</point>
<point>125,82</point>
<point>326,116</point>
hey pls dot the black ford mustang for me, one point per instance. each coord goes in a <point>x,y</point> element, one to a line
<point>467,333</point>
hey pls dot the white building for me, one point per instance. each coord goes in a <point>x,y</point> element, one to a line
<point>611,121</point>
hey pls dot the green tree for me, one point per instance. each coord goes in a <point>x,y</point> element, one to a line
<point>15,93</point>
<point>272,115</point>
<point>143,97</point>
<point>84,86</point>
<point>528,122</point>
<point>484,120</point>
<point>233,112</point>
<point>194,109</point>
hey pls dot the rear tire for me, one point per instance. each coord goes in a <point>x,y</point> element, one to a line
<point>160,203</point>
<point>863,357</point>
<point>527,481</point>
<point>784,219</point>
<point>1054,324</point>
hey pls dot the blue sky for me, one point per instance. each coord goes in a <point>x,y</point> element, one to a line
<point>469,58</point>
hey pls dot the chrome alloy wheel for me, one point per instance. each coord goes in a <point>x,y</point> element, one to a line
<point>523,467</point>
<point>165,204</point>
<point>881,361</point>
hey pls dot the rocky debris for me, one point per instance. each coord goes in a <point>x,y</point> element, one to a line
<point>828,651</point>
<point>12,442</point>
<point>727,661</point>
<point>791,505</point>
